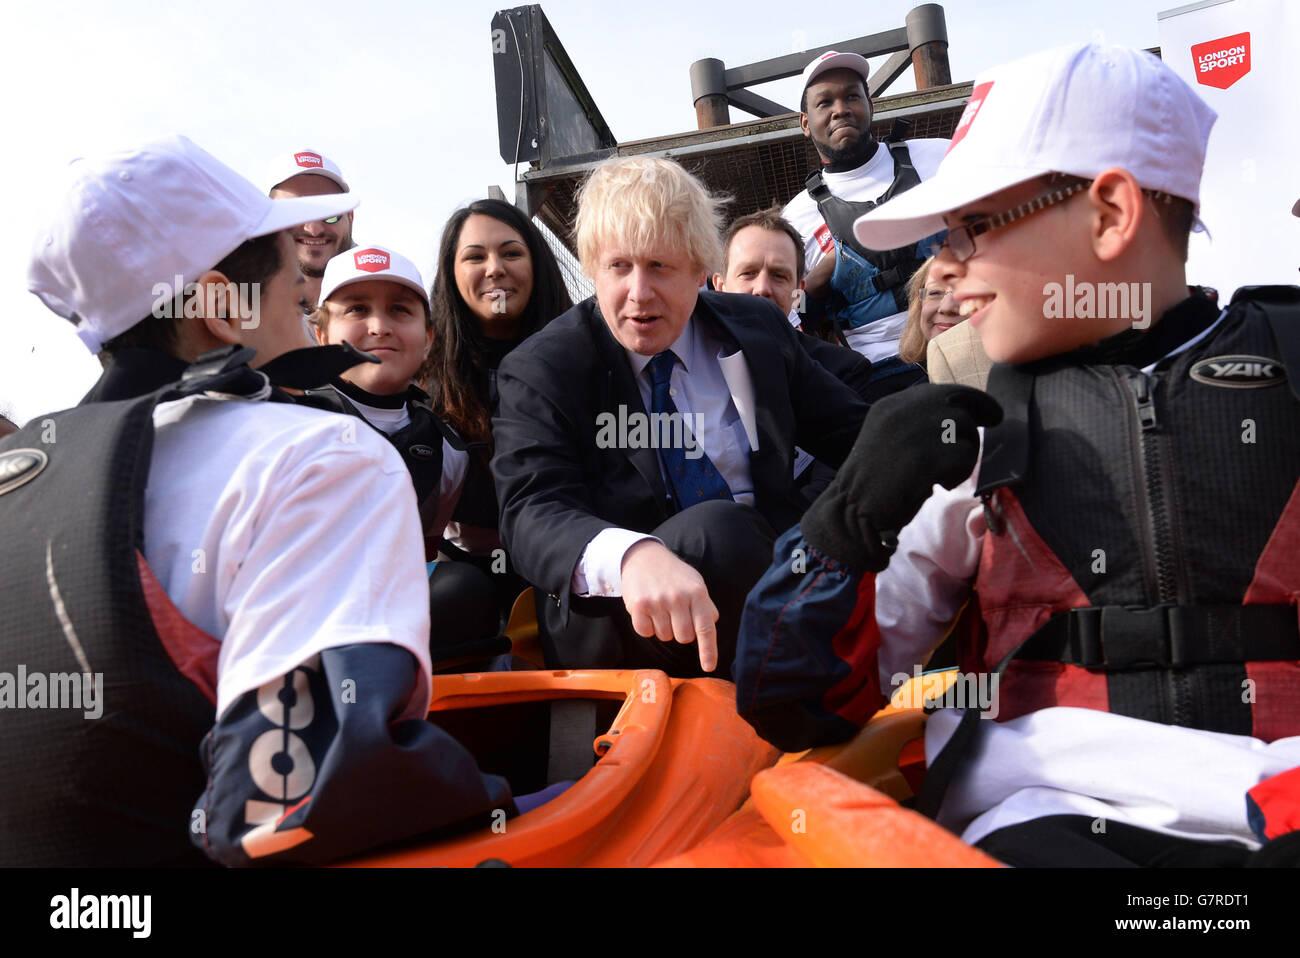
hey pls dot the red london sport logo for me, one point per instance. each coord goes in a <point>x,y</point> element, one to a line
<point>1221,63</point>
<point>824,240</point>
<point>977,98</point>
<point>371,260</point>
<point>309,160</point>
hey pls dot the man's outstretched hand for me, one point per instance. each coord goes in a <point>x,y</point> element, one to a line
<point>667,598</point>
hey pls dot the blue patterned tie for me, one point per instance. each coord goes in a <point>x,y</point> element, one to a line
<point>691,480</point>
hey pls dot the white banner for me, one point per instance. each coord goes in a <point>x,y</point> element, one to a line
<point>1243,58</point>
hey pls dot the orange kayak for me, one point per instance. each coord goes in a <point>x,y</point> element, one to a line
<point>673,763</point>
<point>666,773</point>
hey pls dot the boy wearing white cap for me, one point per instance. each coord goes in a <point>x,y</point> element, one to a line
<point>1127,543</point>
<point>232,582</point>
<point>373,298</point>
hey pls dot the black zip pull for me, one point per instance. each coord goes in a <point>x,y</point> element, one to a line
<point>1146,406</point>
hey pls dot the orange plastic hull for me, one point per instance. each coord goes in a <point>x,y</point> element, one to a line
<point>684,782</point>
<point>837,806</point>
<point>676,762</point>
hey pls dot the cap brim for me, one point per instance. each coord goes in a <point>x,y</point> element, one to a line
<point>919,212</point>
<point>384,277</point>
<point>334,178</point>
<point>295,211</point>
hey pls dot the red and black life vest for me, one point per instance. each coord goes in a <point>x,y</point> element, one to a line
<point>1145,527</point>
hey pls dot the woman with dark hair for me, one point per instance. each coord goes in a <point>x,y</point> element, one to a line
<point>497,283</point>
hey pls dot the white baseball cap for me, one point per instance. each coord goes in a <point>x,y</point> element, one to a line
<point>831,60</point>
<point>366,263</point>
<point>1079,109</point>
<point>132,221</point>
<point>288,165</point>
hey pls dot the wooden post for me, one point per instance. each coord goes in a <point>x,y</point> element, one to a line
<point>709,91</point>
<point>927,38</point>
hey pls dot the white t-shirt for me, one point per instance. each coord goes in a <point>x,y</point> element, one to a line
<point>877,340</point>
<point>282,531</point>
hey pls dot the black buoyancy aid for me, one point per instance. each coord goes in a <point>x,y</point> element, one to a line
<point>419,442</point>
<point>78,600</point>
<point>1142,524</point>
<point>894,267</point>
<point>1142,530</point>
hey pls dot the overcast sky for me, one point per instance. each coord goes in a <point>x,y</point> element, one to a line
<point>399,94</point>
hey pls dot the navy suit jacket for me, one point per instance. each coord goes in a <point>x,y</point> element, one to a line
<point>557,489</point>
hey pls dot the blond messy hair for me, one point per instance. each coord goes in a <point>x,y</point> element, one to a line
<point>640,203</point>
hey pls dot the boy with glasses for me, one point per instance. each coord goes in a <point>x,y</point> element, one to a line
<point>1125,550</point>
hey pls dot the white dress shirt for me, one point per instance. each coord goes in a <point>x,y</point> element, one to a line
<point>702,395</point>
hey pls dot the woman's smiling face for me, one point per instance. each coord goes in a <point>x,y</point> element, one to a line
<point>494,274</point>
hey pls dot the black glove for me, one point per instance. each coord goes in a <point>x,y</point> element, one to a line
<point>910,441</point>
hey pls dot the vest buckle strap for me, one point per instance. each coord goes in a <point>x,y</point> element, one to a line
<point>1113,636</point>
<point>1116,638</point>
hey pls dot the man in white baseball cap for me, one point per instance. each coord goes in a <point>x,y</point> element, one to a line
<point>862,291</point>
<point>309,173</point>
<point>1126,532</point>
<point>207,561</point>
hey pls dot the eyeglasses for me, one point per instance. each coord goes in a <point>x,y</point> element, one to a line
<point>961,239</point>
